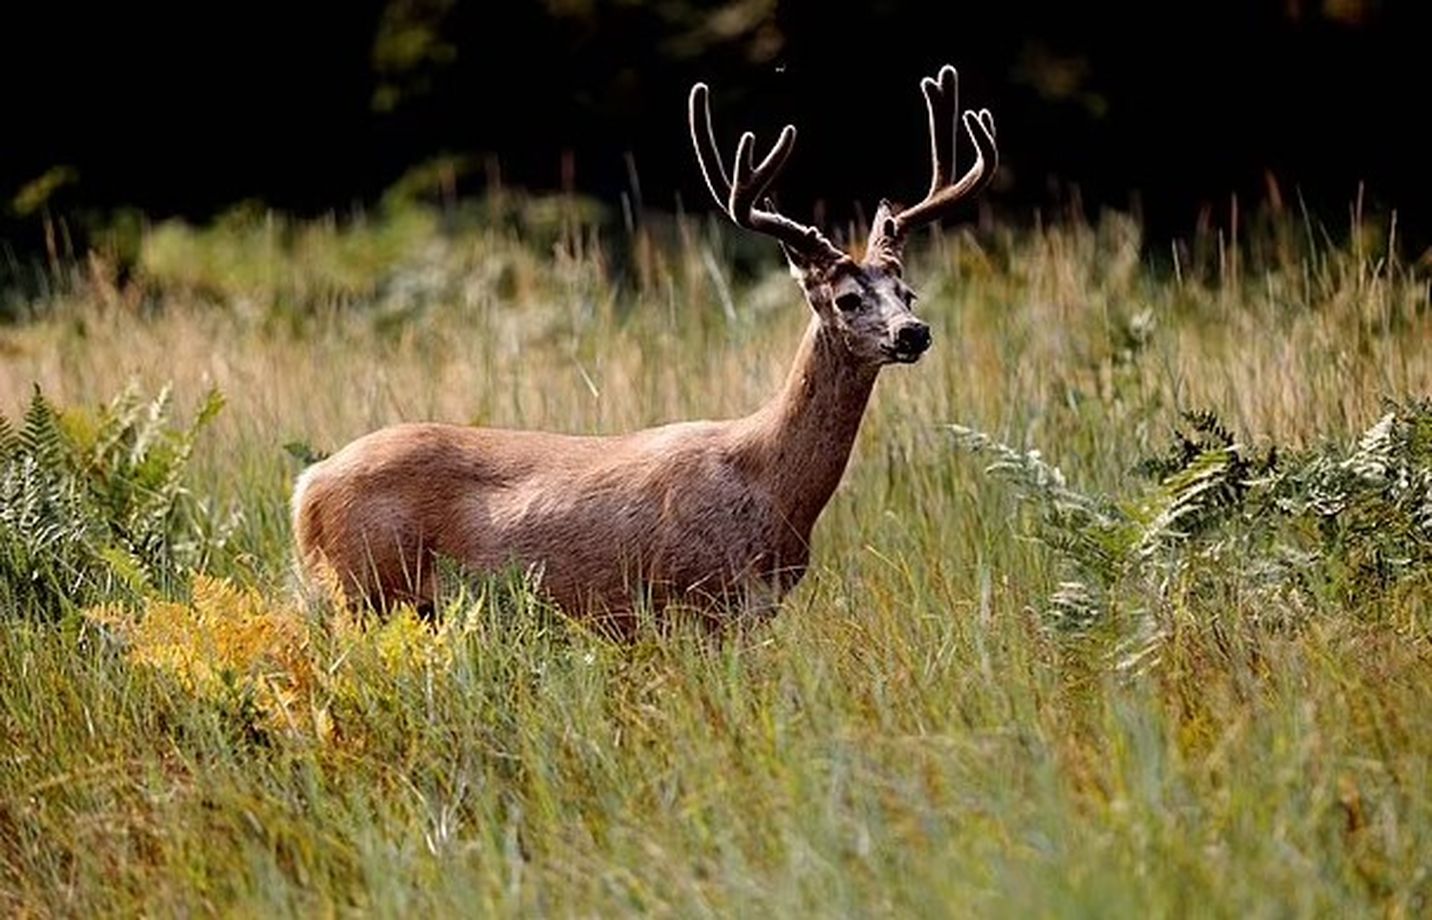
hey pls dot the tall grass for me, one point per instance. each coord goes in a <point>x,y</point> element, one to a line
<point>914,733</point>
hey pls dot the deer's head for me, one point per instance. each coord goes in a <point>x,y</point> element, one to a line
<point>866,301</point>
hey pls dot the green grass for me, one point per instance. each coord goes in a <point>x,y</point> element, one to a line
<point>915,733</point>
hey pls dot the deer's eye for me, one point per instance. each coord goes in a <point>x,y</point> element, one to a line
<point>909,297</point>
<point>849,303</point>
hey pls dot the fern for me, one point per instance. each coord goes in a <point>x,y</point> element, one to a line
<point>1374,457</point>
<point>9,442</point>
<point>93,505</point>
<point>1341,524</point>
<point>1089,534</point>
<point>40,436</point>
<point>1190,500</point>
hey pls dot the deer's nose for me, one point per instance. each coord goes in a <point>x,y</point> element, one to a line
<point>912,339</point>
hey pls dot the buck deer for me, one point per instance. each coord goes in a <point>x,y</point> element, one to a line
<point>714,516</point>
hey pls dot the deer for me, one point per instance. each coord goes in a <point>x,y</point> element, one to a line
<point>710,517</point>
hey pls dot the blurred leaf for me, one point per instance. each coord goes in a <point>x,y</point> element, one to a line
<point>408,48</point>
<point>304,452</point>
<point>36,193</point>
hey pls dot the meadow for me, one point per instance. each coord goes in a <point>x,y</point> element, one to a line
<point>1122,608</point>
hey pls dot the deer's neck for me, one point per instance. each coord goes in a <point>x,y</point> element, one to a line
<point>804,435</point>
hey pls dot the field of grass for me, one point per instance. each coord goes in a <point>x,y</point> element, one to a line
<point>1122,689</point>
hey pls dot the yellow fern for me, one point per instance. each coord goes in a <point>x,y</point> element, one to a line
<point>228,640</point>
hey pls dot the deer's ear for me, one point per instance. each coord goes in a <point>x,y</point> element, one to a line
<point>799,264</point>
<point>813,270</point>
<point>816,277</point>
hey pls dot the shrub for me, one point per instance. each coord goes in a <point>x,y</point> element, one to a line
<point>1335,526</point>
<point>94,506</point>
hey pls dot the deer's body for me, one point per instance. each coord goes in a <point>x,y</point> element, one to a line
<point>712,515</point>
<point>716,515</point>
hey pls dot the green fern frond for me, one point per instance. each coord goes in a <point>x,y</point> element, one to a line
<point>9,441</point>
<point>1075,605</point>
<point>152,425</point>
<point>1033,476</point>
<point>1373,459</point>
<point>1193,498</point>
<point>40,435</point>
<point>119,419</point>
<point>1210,427</point>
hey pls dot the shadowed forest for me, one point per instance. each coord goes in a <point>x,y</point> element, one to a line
<point>1168,109</point>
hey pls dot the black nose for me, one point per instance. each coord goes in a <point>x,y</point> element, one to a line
<point>912,339</point>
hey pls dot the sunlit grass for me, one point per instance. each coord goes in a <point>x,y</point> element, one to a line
<point>908,736</point>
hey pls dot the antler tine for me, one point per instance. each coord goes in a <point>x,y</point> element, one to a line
<point>941,99</point>
<point>703,137</point>
<point>751,181</point>
<point>737,194</point>
<point>942,103</point>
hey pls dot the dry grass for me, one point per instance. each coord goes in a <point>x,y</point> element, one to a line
<point>907,737</point>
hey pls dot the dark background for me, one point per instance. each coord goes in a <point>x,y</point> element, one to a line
<point>1166,107</point>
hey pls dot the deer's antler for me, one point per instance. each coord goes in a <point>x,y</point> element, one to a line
<point>942,101</point>
<point>738,193</point>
